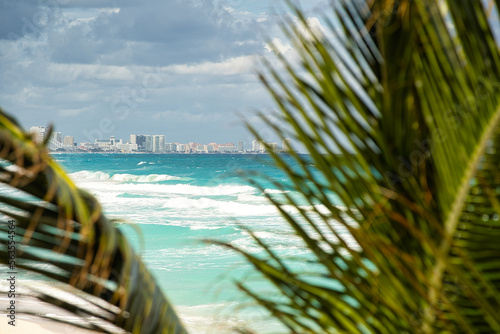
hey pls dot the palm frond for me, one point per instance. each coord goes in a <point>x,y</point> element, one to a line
<point>63,228</point>
<point>398,110</point>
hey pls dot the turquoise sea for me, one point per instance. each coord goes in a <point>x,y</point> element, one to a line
<point>178,200</point>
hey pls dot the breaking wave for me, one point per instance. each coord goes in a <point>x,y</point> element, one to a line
<point>102,176</point>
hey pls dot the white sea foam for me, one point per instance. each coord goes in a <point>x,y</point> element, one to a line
<point>143,178</point>
<point>89,176</point>
<point>251,198</point>
<point>158,189</point>
<point>102,176</point>
<point>275,191</point>
<point>141,163</point>
<point>231,208</point>
<point>193,251</point>
<point>224,317</point>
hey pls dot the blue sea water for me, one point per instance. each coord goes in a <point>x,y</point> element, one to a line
<point>179,200</point>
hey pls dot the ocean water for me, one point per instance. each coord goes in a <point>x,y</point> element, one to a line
<point>176,201</point>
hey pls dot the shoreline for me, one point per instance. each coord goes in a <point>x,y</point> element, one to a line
<point>33,315</point>
<point>169,153</point>
<point>218,318</point>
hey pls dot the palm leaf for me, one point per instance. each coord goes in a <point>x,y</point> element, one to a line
<point>63,227</point>
<point>397,108</point>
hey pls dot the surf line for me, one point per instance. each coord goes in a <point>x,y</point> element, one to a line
<point>11,293</point>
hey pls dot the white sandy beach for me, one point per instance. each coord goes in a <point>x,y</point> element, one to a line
<point>219,319</point>
<point>31,324</point>
<point>26,305</point>
<point>38,326</point>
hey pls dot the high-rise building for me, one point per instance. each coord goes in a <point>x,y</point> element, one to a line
<point>193,146</point>
<point>69,141</point>
<point>140,140</point>
<point>56,136</point>
<point>171,147</point>
<point>240,145</point>
<point>133,139</point>
<point>106,145</point>
<point>181,147</point>
<point>55,141</point>
<point>227,149</point>
<point>148,143</point>
<point>158,144</point>
<point>38,133</point>
<point>287,145</point>
<point>201,148</point>
<point>273,146</point>
<point>257,146</point>
<point>126,147</point>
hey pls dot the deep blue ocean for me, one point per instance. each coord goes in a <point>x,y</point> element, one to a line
<point>178,200</point>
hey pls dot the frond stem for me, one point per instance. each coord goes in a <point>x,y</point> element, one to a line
<point>452,222</point>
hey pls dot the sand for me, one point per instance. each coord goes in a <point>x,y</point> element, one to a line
<point>26,305</point>
<point>33,326</point>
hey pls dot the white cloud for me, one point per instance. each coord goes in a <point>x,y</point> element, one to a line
<point>314,26</point>
<point>72,72</point>
<point>93,54</point>
<point>232,66</point>
<point>278,45</point>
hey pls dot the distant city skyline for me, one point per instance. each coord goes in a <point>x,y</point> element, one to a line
<point>140,143</point>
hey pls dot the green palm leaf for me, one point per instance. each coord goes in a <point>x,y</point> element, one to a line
<point>398,109</point>
<point>63,227</point>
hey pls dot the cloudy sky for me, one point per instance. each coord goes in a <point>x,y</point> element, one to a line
<point>95,68</point>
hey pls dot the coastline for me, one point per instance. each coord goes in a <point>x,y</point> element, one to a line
<point>28,323</point>
<point>35,316</point>
<point>168,153</point>
<point>218,320</point>
<point>215,318</point>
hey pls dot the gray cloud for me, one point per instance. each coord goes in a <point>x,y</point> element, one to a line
<point>180,68</point>
<point>156,33</point>
<point>13,18</point>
